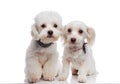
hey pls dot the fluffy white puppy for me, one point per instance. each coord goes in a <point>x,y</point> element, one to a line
<point>42,55</point>
<point>78,39</point>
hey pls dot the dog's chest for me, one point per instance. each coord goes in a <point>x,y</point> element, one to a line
<point>42,57</point>
<point>76,61</point>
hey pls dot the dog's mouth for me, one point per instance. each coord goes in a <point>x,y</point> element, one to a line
<point>50,36</point>
<point>74,48</point>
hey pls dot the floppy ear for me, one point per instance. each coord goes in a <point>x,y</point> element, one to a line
<point>34,32</point>
<point>91,36</point>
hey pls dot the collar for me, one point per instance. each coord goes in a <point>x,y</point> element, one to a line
<point>44,45</point>
<point>84,48</point>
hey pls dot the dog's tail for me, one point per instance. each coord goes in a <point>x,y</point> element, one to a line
<point>91,36</point>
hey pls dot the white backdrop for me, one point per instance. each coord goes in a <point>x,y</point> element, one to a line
<point>16,18</point>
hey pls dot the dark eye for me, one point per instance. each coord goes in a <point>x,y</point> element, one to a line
<point>43,25</point>
<point>69,30</point>
<point>80,31</point>
<point>55,25</point>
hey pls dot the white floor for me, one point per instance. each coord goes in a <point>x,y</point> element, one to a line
<point>73,79</point>
<point>90,79</point>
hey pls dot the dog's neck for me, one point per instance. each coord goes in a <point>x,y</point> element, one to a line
<point>76,49</point>
<point>44,45</point>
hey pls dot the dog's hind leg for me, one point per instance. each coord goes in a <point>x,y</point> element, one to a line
<point>74,71</point>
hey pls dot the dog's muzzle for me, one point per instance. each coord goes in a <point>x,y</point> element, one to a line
<point>50,33</point>
<point>73,40</point>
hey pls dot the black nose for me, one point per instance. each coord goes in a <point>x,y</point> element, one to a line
<point>50,32</point>
<point>73,40</point>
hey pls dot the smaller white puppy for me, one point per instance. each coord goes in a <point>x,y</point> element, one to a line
<point>42,54</point>
<point>78,39</point>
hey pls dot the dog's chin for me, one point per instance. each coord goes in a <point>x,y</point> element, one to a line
<point>49,39</point>
<point>74,45</point>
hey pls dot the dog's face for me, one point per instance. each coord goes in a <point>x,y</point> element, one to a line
<point>48,27</point>
<point>76,32</point>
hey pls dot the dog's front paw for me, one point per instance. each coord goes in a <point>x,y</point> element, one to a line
<point>82,79</point>
<point>33,79</point>
<point>48,77</point>
<point>62,78</point>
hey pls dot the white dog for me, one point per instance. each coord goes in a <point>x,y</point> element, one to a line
<point>78,39</point>
<point>42,55</point>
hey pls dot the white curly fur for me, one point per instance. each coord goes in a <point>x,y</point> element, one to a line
<point>73,52</point>
<point>43,61</point>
